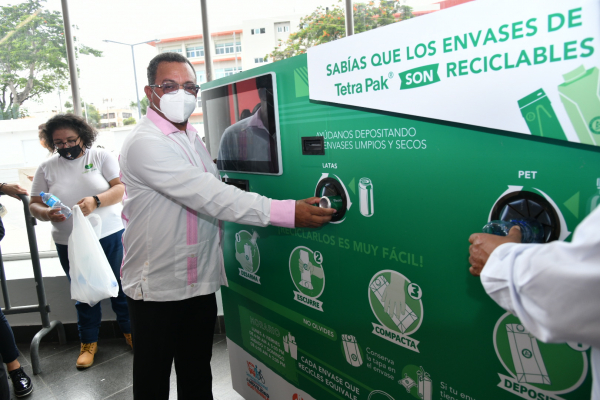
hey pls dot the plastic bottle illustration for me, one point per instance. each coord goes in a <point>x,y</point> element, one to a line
<point>352,351</point>
<point>254,238</point>
<point>579,94</point>
<point>594,201</point>
<point>425,390</point>
<point>53,202</point>
<point>306,270</point>
<point>290,346</point>
<point>248,252</point>
<point>531,230</point>
<point>540,116</point>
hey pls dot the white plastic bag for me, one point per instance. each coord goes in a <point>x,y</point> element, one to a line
<point>92,278</point>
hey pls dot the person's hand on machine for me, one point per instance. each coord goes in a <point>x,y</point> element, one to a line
<point>483,244</point>
<point>309,216</point>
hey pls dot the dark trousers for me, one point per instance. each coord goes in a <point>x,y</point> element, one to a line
<point>8,347</point>
<point>180,331</point>
<point>90,318</point>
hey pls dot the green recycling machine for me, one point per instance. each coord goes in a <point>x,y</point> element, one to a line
<point>418,133</point>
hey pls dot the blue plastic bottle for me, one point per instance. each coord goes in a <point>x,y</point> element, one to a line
<point>53,202</point>
<point>531,230</point>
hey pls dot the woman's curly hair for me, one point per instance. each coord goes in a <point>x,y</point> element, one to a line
<point>70,121</point>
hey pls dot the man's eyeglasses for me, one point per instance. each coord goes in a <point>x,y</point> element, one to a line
<point>172,87</point>
<point>70,143</point>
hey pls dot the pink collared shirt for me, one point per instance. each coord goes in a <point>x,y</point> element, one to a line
<point>173,206</point>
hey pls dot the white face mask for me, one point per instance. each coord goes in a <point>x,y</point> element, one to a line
<point>177,107</point>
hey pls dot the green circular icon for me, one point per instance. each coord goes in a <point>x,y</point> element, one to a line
<point>595,125</point>
<point>555,368</point>
<point>530,116</point>
<point>246,251</point>
<point>392,302</point>
<point>307,272</point>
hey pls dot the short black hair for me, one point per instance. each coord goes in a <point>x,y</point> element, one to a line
<point>165,57</point>
<point>70,121</point>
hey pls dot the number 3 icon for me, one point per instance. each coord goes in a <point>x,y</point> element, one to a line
<point>414,291</point>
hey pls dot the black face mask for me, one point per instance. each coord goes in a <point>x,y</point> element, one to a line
<point>70,153</point>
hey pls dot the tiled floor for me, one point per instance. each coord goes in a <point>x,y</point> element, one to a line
<point>110,377</point>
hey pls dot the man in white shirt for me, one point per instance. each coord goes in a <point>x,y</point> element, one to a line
<point>553,288</point>
<point>173,264</point>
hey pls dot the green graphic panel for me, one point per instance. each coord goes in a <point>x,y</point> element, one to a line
<point>562,366</point>
<point>417,190</point>
<point>270,343</point>
<point>579,94</point>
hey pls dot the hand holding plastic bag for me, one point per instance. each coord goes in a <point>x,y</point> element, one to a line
<point>92,278</point>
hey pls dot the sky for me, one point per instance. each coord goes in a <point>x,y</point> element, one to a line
<point>108,81</point>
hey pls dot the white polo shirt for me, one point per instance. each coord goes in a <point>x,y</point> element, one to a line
<point>72,180</point>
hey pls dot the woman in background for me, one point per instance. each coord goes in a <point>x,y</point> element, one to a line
<point>89,177</point>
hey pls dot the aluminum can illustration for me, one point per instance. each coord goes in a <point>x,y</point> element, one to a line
<point>365,189</point>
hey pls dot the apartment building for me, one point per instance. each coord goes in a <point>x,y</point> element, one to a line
<point>113,117</point>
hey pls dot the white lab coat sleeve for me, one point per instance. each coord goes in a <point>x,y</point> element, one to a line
<point>553,288</point>
<point>159,167</point>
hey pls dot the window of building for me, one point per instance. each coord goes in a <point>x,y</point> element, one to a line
<point>259,60</point>
<point>126,115</point>
<point>257,31</point>
<point>111,115</point>
<point>227,48</point>
<point>199,103</point>
<point>283,29</point>
<point>103,116</point>
<point>172,50</point>
<point>195,51</point>
<point>223,72</point>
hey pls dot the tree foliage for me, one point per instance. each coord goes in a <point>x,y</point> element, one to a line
<point>94,115</point>
<point>325,25</point>
<point>33,56</point>
<point>144,103</point>
<point>129,121</point>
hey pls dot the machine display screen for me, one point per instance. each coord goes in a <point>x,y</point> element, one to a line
<point>241,119</point>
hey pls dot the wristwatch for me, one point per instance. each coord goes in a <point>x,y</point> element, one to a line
<point>97,201</point>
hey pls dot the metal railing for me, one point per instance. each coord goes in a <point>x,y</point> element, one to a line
<point>42,307</point>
